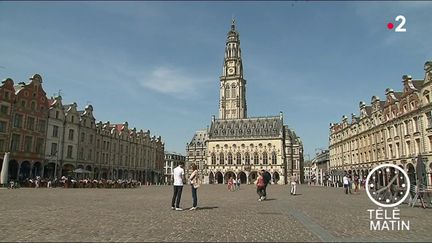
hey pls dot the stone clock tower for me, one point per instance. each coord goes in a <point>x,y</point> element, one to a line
<point>232,98</point>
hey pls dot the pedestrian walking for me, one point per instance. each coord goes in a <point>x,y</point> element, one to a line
<point>350,184</point>
<point>178,187</point>
<point>267,179</point>
<point>238,183</point>
<point>293,184</point>
<point>194,186</point>
<point>230,184</point>
<point>260,184</point>
<point>356,183</point>
<point>346,183</point>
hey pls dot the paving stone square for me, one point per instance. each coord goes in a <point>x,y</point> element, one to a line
<point>144,214</point>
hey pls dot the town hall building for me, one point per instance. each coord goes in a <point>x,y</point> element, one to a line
<point>235,145</point>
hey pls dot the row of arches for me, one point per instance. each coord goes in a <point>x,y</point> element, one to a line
<point>219,177</point>
<point>262,158</point>
<point>26,169</point>
<point>381,175</point>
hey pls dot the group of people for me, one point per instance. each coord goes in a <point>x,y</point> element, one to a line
<point>233,184</point>
<point>178,187</point>
<point>349,181</point>
<point>262,181</point>
<point>261,184</point>
<point>69,182</point>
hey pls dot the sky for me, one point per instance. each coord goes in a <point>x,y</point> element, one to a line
<point>156,65</point>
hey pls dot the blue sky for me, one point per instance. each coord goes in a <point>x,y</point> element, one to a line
<point>157,64</point>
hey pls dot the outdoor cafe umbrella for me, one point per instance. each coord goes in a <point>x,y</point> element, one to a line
<point>81,171</point>
<point>5,170</point>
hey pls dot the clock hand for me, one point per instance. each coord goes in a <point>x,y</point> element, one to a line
<point>382,189</point>
<point>393,180</point>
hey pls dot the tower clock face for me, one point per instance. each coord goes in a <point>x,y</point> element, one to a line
<point>231,70</point>
<point>387,185</point>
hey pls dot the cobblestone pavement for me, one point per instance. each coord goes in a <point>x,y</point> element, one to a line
<point>144,214</point>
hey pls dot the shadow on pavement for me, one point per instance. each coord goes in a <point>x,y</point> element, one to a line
<point>204,208</point>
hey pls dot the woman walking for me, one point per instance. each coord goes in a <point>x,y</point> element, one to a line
<point>230,184</point>
<point>194,186</point>
<point>260,184</point>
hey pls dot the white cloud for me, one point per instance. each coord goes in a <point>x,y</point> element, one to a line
<point>173,81</point>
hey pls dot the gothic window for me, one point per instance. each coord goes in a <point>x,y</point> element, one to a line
<point>233,92</point>
<point>221,159</point>
<point>274,158</point>
<point>227,92</point>
<point>213,159</point>
<point>238,160</point>
<point>247,159</point>
<point>265,158</point>
<point>230,159</point>
<point>255,158</point>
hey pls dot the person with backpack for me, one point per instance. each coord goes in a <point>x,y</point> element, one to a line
<point>260,184</point>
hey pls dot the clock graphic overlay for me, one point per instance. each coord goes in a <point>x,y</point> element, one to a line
<point>387,185</point>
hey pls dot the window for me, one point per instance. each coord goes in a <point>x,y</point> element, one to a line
<point>4,109</point>
<point>406,127</point>
<point>256,158</point>
<point>41,125</point>
<point>15,142</point>
<point>408,143</point>
<point>2,145</point>
<point>89,156</point>
<point>18,120</point>
<point>7,95</point>
<point>71,134</point>
<point>30,123</point>
<point>3,126</point>
<point>265,158</point>
<point>227,92</point>
<point>69,152</point>
<point>40,142</point>
<point>97,143</point>
<point>230,159</point>
<point>33,105</point>
<point>82,137</point>
<point>247,159</point>
<point>274,158</point>
<point>233,92</point>
<point>81,153</point>
<point>53,149</point>
<point>28,142</point>
<point>213,159</point>
<point>429,119</point>
<point>221,159</point>
<point>91,138</point>
<point>430,143</point>
<point>417,146</point>
<point>72,119</point>
<point>57,114</point>
<point>55,131</point>
<point>238,160</point>
<point>23,103</point>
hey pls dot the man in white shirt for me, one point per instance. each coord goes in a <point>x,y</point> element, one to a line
<point>345,183</point>
<point>178,187</point>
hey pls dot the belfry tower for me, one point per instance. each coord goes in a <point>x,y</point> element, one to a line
<point>232,99</point>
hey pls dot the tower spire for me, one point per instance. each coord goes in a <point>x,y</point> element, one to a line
<point>232,99</point>
<point>233,23</point>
